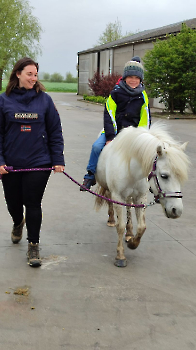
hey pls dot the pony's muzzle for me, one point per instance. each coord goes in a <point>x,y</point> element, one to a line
<point>173,213</point>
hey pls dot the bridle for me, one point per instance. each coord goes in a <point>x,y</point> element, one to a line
<point>161,193</point>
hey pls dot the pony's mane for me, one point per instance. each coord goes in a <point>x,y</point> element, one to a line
<point>142,144</point>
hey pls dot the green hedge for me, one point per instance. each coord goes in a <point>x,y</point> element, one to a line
<point>96,99</point>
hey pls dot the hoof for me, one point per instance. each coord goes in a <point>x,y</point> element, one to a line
<point>111,224</point>
<point>120,263</point>
<point>128,238</point>
<point>133,244</point>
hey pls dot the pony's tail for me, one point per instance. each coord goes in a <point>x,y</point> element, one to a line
<point>98,200</point>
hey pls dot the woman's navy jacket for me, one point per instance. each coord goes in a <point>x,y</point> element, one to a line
<point>30,130</point>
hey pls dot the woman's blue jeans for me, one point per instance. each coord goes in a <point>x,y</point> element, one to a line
<point>95,152</point>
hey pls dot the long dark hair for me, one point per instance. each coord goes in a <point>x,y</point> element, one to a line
<point>19,66</point>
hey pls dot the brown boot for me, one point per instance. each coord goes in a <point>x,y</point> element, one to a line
<point>16,234</point>
<point>33,255</point>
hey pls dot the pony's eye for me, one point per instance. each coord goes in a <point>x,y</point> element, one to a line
<point>164,176</point>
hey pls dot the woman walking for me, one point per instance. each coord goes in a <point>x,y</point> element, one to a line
<point>30,137</point>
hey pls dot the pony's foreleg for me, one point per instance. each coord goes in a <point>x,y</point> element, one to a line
<point>141,226</point>
<point>129,226</point>
<point>120,227</point>
<point>111,220</point>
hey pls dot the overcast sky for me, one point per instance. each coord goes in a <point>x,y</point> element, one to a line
<point>70,26</point>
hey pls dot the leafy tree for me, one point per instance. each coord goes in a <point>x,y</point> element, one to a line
<point>112,32</point>
<point>6,74</point>
<point>19,30</point>
<point>46,76</point>
<point>56,77</point>
<point>170,70</point>
<point>130,33</point>
<point>70,79</point>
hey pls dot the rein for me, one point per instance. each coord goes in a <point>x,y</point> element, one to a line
<point>11,170</point>
<point>161,194</point>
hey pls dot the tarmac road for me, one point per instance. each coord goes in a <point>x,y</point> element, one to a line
<point>78,299</point>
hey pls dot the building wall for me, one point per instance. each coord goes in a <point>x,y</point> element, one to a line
<point>87,67</point>
<point>121,56</point>
<point>125,53</point>
<point>141,48</point>
<point>93,62</point>
<point>104,62</point>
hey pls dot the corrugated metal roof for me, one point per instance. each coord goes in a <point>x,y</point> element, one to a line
<point>151,34</point>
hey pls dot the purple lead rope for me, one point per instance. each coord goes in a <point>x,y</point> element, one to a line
<point>10,169</point>
<point>105,198</point>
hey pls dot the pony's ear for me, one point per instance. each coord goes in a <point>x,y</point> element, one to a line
<point>159,151</point>
<point>184,145</point>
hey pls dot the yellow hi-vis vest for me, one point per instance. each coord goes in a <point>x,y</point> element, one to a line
<point>144,113</point>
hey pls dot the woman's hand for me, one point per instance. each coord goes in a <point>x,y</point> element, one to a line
<point>58,168</point>
<point>2,170</point>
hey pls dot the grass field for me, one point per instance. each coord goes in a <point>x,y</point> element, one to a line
<point>60,87</point>
<point>55,87</point>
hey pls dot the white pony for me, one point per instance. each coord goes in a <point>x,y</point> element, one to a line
<point>123,175</point>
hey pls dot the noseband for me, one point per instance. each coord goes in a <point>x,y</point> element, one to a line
<point>161,194</point>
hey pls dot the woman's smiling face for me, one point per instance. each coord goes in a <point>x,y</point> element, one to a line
<point>27,77</point>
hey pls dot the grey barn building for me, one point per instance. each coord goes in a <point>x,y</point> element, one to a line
<point>111,57</point>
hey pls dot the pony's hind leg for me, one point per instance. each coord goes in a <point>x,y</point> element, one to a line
<point>141,225</point>
<point>111,220</point>
<point>120,226</point>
